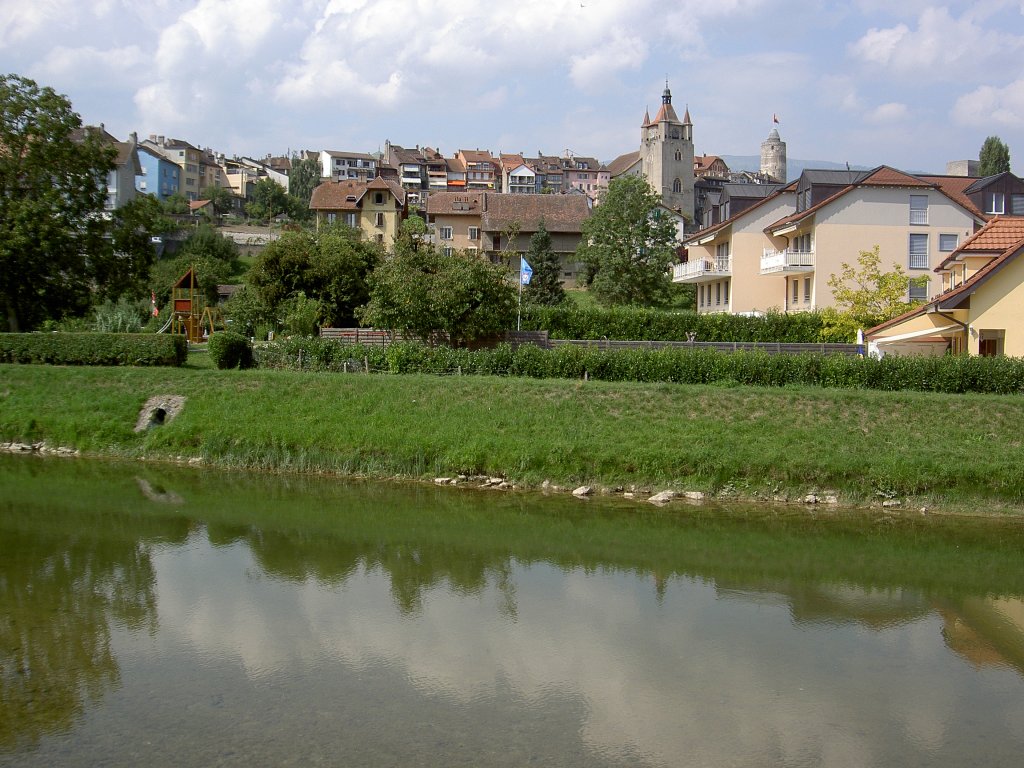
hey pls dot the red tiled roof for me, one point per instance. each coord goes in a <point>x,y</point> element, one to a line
<point>954,187</point>
<point>884,176</point>
<point>467,203</point>
<point>345,195</point>
<point>560,213</point>
<point>1004,232</point>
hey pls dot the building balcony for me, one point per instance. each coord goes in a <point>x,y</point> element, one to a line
<point>787,261</point>
<point>702,270</point>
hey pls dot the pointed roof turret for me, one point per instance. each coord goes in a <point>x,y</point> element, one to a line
<point>647,118</point>
<point>686,116</point>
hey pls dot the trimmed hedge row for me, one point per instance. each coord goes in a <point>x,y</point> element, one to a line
<point>94,348</point>
<point>641,324</point>
<point>955,374</point>
<point>230,350</point>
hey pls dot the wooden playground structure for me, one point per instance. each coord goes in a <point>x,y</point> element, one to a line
<point>189,313</point>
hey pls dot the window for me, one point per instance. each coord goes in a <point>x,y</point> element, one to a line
<point>807,290</point>
<point>919,209</point>
<point>701,292</point>
<point>919,251</point>
<point>332,217</point>
<point>378,198</point>
<point>474,233</point>
<point>447,250</point>
<point>919,292</point>
<point>379,218</point>
<point>725,291</point>
<point>352,220</point>
<point>995,202</point>
<point>718,293</point>
<point>677,186</point>
<point>380,239</point>
<point>796,290</point>
<point>1017,205</point>
<point>446,233</point>
<point>948,243</point>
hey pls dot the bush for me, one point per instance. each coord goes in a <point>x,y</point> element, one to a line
<point>571,321</point>
<point>230,350</point>
<point>93,349</point>
<point>992,375</point>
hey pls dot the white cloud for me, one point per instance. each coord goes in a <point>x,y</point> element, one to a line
<point>113,67</point>
<point>988,105</point>
<point>888,113</point>
<point>592,69</point>
<point>20,20</point>
<point>940,47</point>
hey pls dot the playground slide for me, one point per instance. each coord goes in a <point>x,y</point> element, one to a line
<point>167,324</point>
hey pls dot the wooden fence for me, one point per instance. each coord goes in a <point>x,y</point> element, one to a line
<point>374,337</point>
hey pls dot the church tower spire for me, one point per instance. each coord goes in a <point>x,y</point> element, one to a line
<point>666,155</point>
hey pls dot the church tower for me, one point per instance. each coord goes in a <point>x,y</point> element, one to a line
<point>666,155</point>
<point>773,156</point>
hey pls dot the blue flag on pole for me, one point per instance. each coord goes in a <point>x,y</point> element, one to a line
<point>525,272</point>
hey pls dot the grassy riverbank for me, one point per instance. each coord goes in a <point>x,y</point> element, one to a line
<point>950,451</point>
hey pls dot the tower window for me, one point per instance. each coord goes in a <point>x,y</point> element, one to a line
<point>679,155</point>
<point>677,186</point>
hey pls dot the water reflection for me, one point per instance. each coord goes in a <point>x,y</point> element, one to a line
<point>301,620</point>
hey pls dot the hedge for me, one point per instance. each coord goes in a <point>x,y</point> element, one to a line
<point>94,348</point>
<point>230,350</point>
<point>641,324</point>
<point>992,375</point>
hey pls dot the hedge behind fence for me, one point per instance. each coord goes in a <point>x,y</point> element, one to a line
<point>640,324</point>
<point>93,348</point>
<point>993,375</point>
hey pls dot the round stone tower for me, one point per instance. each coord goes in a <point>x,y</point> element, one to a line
<point>773,156</point>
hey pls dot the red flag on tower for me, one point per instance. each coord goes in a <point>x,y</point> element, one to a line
<point>152,301</point>
<point>775,118</point>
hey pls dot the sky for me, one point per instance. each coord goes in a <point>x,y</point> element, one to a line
<point>910,84</point>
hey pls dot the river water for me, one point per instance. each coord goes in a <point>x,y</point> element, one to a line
<point>161,616</point>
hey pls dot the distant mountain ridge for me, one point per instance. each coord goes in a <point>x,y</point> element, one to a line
<point>794,167</point>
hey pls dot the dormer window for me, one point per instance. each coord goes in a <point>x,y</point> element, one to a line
<point>995,203</point>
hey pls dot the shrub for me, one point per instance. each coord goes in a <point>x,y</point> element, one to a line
<point>93,349</point>
<point>230,350</point>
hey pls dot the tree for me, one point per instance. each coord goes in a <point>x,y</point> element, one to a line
<point>628,243</point>
<point>213,256</point>
<point>546,285</point>
<point>221,198</point>
<point>302,180</point>
<point>994,157</point>
<point>176,204</point>
<point>869,295</point>
<point>330,267</point>
<point>133,226</point>
<point>420,291</point>
<point>52,228</point>
<point>268,200</point>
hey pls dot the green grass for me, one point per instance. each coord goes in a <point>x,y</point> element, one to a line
<point>957,451</point>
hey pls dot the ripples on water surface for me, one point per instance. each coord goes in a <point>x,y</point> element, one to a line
<point>179,618</point>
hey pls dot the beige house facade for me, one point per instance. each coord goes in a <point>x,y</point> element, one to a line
<point>376,208</point>
<point>980,310</point>
<point>780,254</point>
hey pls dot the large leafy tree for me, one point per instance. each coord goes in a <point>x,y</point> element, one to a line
<point>269,200</point>
<point>546,285</point>
<point>302,180</point>
<point>330,267</point>
<point>868,295</point>
<point>213,257</point>
<point>994,157</point>
<point>52,231</point>
<point>628,243</point>
<point>420,291</point>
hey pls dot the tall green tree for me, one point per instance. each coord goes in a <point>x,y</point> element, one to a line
<point>221,198</point>
<point>869,296</point>
<point>994,157</point>
<point>303,178</point>
<point>627,245</point>
<point>330,267</point>
<point>213,256</point>
<point>52,231</point>
<point>420,291</point>
<point>269,200</point>
<point>546,284</point>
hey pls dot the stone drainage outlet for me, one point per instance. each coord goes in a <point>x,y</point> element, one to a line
<point>158,411</point>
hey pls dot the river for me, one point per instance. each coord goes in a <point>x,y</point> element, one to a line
<point>164,616</point>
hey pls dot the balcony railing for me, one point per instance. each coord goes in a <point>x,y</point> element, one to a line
<point>700,270</point>
<point>787,261</point>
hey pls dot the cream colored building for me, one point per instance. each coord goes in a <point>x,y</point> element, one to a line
<point>779,254</point>
<point>376,208</point>
<point>981,308</point>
